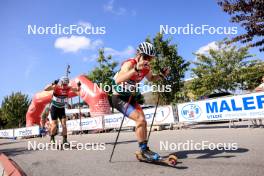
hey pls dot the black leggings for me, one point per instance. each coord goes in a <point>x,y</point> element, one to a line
<point>57,113</point>
<point>121,104</point>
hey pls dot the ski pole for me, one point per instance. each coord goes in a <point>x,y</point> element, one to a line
<point>80,114</point>
<point>68,71</point>
<point>119,130</point>
<point>157,104</point>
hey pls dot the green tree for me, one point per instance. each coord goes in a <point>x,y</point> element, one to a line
<point>102,75</point>
<point>250,14</point>
<point>14,108</point>
<point>2,121</point>
<point>251,75</point>
<point>167,56</point>
<point>224,69</point>
<point>189,95</point>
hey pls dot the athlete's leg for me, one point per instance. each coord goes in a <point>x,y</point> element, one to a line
<point>134,112</point>
<point>53,130</point>
<point>63,124</point>
<point>141,124</point>
<point>141,132</point>
<point>54,127</point>
<point>53,124</point>
<point>64,130</point>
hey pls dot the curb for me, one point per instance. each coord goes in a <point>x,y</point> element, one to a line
<point>10,167</point>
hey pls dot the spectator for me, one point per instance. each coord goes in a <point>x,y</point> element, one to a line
<point>44,118</point>
<point>260,88</point>
<point>74,116</point>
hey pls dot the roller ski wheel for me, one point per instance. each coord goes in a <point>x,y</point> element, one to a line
<point>172,160</point>
<point>139,156</point>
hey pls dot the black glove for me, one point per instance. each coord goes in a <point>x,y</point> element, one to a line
<point>163,70</point>
<point>55,82</point>
<point>79,84</point>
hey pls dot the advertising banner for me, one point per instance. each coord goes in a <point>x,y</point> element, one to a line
<point>226,108</point>
<point>27,131</point>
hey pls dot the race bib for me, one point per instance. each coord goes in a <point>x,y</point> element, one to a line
<point>60,100</point>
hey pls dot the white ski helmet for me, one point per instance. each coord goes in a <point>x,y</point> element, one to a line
<point>64,80</point>
<point>147,48</point>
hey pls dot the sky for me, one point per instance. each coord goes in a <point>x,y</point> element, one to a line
<point>31,60</point>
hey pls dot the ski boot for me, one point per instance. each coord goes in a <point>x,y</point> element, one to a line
<point>52,139</point>
<point>150,155</point>
<point>146,155</point>
<point>65,142</point>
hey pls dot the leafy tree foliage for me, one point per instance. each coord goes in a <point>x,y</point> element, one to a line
<point>103,74</point>
<point>225,69</point>
<point>167,56</point>
<point>13,110</point>
<point>250,14</point>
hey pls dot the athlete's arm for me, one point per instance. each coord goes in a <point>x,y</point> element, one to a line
<point>49,87</point>
<point>125,73</point>
<point>75,90</point>
<point>164,72</point>
<point>151,77</point>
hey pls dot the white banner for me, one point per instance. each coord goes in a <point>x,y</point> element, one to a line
<point>76,111</point>
<point>6,133</point>
<point>226,108</point>
<point>164,115</point>
<point>113,121</point>
<point>27,131</point>
<point>86,123</point>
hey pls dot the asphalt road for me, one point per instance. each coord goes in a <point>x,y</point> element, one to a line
<point>246,158</point>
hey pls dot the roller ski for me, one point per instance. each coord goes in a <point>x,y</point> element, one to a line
<point>152,157</point>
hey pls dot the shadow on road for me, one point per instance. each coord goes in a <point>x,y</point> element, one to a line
<point>207,153</point>
<point>166,165</point>
<point>7,143</point>
<point>15,151</point>
<point>154,163</point>
<point>204,154</point>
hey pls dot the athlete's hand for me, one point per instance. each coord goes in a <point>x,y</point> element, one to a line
<point>79,84</point>
<point>165,71</point>
<point>55,82</point>
<point>142,64</point>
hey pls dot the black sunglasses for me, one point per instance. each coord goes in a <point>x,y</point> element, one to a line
<point>147,57</point>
